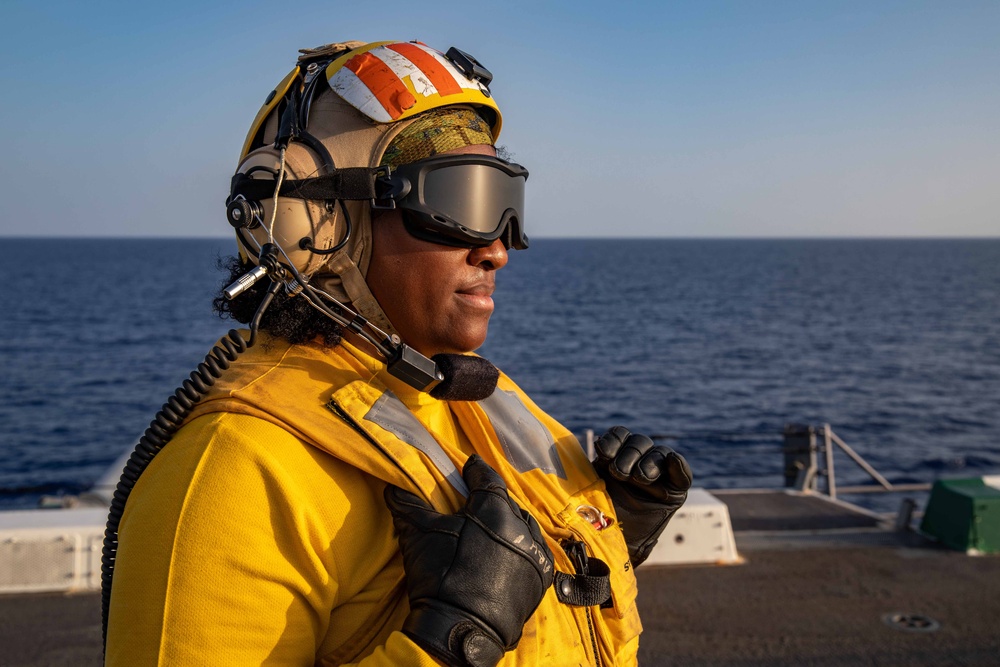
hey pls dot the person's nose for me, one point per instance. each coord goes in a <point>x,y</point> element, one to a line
<point>491,257</point>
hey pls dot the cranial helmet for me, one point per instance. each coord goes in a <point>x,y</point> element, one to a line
<point>304,180</point>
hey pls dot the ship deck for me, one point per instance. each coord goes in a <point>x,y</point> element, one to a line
<point>820,585</point>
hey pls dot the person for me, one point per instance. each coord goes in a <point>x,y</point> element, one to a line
<point>356,485</point>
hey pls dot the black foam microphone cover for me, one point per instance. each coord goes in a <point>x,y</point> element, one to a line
<point>466,378</point>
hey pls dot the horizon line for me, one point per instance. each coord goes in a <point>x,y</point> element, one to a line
<point>738,237</point>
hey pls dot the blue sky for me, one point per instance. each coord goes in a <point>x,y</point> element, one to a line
<point>676,119</point>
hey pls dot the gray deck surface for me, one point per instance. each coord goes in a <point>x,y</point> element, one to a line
<point>811,604</point>
<point>778,510</point>
<point>823,607</point>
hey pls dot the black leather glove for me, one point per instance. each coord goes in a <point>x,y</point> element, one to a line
<point>647,484</point>
<point>475,577</point>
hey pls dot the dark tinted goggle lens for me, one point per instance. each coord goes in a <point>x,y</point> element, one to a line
<point>469,200</point>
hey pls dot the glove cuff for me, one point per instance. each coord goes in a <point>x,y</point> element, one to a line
<point>452,637</point>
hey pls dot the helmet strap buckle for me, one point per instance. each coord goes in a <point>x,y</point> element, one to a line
<point>388,189</point>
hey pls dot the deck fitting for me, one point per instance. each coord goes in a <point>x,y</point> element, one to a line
<point>911,622</point>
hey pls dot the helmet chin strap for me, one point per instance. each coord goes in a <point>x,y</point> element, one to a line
<point>352,282</point>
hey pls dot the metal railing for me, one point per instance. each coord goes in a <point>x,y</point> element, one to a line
<point>802,472</point>
<point>802,446</point>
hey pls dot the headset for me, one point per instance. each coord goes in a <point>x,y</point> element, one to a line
<point>245,212</point>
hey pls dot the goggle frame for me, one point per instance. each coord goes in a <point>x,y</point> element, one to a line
<point>405,188</point>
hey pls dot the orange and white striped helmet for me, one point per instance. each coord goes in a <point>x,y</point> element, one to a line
<point>390,81</point>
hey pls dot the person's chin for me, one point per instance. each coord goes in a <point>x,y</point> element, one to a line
<point>466,341</point>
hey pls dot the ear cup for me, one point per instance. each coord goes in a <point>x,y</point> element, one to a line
<point>296,224</point>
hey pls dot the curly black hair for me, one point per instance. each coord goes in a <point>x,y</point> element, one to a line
<point>288,317</point>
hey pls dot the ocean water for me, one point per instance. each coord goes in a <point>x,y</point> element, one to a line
<point>712,344</point>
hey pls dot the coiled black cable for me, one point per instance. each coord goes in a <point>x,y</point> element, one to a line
<point>163,427</point>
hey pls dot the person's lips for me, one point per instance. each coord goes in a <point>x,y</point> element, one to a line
<point>478,295</point>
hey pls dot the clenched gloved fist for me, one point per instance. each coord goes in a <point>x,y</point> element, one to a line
<point>475,577</point>
<point>647,484</point>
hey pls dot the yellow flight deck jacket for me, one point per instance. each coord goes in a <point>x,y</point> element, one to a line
<point>259,534</point>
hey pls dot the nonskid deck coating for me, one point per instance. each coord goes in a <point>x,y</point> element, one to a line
<point>767,510</point>
<point>823,607</point>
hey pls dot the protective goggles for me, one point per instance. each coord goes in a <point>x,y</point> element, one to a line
<point>457,200</point>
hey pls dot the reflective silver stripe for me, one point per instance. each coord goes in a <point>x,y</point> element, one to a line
<point>391,414</point>
<point>526,442</point>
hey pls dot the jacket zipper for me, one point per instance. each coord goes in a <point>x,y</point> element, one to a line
<point>593,636</point>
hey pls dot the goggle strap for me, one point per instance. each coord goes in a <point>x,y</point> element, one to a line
<point>349,183</point>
